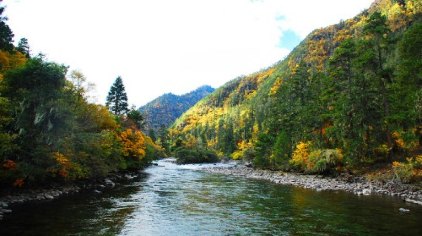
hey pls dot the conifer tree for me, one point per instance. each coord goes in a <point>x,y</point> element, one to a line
<point>116,100</point>
<point>6,35</point>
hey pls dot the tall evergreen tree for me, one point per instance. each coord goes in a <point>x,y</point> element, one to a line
<point>6,35</point>
<point>23,47</point>
<point>117,99</point>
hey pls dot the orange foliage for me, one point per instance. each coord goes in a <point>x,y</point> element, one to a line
<point>9,165</point>
<point>19,183</point>
<point>64,164</point>
<point>133,143</point>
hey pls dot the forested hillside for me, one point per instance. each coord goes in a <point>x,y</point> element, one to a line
<point>161,112</point>
<point>347,97</point>
<point>49,132</point>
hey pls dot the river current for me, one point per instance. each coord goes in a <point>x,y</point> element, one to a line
<point>170,199</point>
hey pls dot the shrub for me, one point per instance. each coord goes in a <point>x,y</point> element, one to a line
<point>325,161</point>
<point>316,161</point>
<point>408,171</point>
<point>300,158</point>
<point>195,155</point>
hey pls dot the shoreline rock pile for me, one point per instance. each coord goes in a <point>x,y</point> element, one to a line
<point>51,193</point>
<point>355,185</point>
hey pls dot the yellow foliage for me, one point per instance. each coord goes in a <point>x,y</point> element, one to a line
<point>242,146</point>
<point>398,139</point>
<point>133,143</point>
<point>102,117</point>
<point>265,74</point>
<point>275,86</point>
<point>11,60</point>
<point>409,170</point>
<point>64,164</point>
<point>190,141</point>
<point>300,156</point>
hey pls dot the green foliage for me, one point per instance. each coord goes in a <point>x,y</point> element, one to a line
<point>23,47</point>
<point>164,110</point>
<point>409,171</point>
<point>354,87</point>
<point>195,155</point>
<point>50,132</point>
<point>6,35</point>
<point>116,99</point>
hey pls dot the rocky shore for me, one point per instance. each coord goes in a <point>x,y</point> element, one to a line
<point>9,199</point>
<point>356,185</point>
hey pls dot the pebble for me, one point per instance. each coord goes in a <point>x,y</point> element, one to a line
<point>356,185</point>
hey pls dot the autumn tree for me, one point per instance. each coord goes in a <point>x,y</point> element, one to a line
<point>117,99</point>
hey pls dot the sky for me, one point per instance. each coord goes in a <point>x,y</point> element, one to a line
<point>162,46</point>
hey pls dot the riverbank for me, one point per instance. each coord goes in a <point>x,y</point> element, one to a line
<point>353,184</point>
<point>11,197</point>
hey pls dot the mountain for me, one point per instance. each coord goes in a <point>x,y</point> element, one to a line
<point>165,109</point>
<point>348,95</point>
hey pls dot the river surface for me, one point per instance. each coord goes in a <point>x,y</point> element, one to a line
<point>182,200</point>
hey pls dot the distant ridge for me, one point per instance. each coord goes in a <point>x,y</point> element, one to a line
<point>164,110</point>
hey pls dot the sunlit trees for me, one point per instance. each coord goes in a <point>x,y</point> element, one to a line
<point>350,93</point>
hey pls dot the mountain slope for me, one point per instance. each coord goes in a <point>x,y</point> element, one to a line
<point>164,110</point>
<point>339,92</point>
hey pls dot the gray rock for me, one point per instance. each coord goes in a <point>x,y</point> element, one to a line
<point>48,196</point>
<point>3,205</point>
<point>404,210</point>
<point>6,211</point>
<point>413,201</point>
<point>366,191</point>
<point>109,183</point>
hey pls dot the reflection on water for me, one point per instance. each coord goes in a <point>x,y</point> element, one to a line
<point>178,200</point>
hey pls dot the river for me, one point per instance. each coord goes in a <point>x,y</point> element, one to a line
<point>168,199</point>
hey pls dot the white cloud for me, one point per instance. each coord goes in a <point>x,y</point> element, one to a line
<point>160,46</point>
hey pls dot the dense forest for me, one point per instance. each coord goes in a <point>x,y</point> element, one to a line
<point>347,98</point>
<point>48,129</point>
<point>161,112</point>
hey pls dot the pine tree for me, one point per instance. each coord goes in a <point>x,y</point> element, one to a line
<point>6,35</point>
<point>23,47</point>
<point>117,99</point>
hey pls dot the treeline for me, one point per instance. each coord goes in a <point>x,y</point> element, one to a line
<point>48,129</point>
<point>349,96</point>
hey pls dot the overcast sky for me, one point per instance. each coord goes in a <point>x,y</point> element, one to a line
<point>160,46</point>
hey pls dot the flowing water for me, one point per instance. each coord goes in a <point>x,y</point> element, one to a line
<point>181,200</point>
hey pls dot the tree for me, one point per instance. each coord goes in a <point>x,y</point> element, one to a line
<point>23,47</point>
<point>117,99</point>
<point>137,117</point>
<point>6,35</point>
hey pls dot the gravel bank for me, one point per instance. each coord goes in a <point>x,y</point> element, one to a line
<point>356,185</point>
<point>8,200</point>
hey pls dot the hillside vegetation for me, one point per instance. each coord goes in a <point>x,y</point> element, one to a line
<point>49,132</point>
<point>164,110</point>
<point>349,96</point>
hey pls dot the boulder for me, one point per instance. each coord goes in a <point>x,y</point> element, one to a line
<point>366,191</point>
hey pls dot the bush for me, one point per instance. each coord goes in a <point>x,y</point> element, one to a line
<point>325,161</point>
<point>318,161</point>
<point>408,171</point>
<point>195,155</point>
